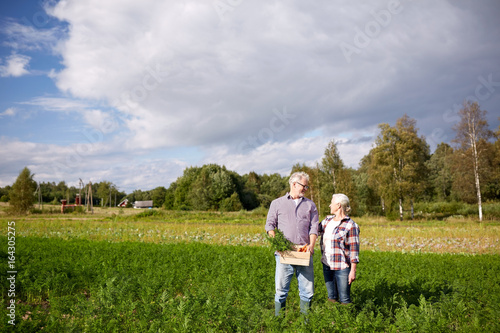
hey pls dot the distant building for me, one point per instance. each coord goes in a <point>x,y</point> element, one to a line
<point>123,203</point>
<point>143,204</point>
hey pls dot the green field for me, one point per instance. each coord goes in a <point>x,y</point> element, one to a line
<point>207,272</point>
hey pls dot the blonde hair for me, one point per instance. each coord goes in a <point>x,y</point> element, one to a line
<point>343,200</point>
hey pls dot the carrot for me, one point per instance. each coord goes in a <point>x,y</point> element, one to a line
<point>302,249</point>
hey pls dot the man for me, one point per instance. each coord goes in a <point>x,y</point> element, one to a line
<point>297,217</point>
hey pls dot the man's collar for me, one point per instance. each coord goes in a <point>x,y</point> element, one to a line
<point>289,196</point>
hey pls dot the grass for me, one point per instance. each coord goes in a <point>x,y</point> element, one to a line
<point>92,286</point>
<point>247,228</point>
<point>126,270</point>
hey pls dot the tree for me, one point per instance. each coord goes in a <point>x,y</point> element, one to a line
<point>440,173</point>
<point>383,161</point>
<point>271,187</point>
<point>231,204</point>
<point>274,185</point>
<point>328,175</point>
<point>4,193</point>
<point>334,177</point>
<point>366,198</point>
<point>158,196</point>
<point>472,133</point>
<point>22,192</point>
<point>332,164</point>
<point>249,190</point>
<point>491,171</point>
<point>60,192</point>
<point>397,168</point>
<point>496,165</point>
<point>183,186</point>
<point>170,196</point>
<point>104,189</point>
<point>212,185</point>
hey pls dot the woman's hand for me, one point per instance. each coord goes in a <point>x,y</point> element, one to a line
<point>352,276</point>
<point>352,273</point>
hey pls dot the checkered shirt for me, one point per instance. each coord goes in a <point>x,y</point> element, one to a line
<point>339,245</point>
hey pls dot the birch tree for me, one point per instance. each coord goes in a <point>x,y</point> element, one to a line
<point>471,134</point>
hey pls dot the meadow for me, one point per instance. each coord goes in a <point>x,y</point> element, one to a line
<point>160,271</point>
<point>453,235</point>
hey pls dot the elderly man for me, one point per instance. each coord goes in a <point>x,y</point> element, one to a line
<point>297,217</point>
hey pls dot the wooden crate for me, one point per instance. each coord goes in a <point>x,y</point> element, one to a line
<point>295,258</point>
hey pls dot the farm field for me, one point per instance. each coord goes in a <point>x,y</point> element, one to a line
<point>158,271</point>
<point>247,228</point>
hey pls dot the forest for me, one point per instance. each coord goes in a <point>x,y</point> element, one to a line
<point>398,177</point>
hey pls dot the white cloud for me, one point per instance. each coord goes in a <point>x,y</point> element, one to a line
<point>57,104</point>
<point>279,157</point>
<point>29,37</point>
<point>101,121</point>
<point>16,65</point>
<point>91,161</point>
<point>184,75</point>
<point>168,75</point>
<point>10,112</point>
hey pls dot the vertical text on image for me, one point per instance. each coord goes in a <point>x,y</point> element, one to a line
<point>11,272</point>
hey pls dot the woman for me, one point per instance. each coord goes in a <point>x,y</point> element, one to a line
<point>339,250</point>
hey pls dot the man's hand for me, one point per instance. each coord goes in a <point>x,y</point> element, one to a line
<point>312,242</point>
<point>271,233</point>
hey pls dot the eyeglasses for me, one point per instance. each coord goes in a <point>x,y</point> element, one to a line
<point>304,186</point>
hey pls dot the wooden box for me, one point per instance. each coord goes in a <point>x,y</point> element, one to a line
<point>295,258</point>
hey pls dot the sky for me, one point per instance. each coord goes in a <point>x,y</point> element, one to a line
<point>133,92</point>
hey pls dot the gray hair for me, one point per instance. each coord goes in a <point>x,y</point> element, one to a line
<point>297,176</point>
<point>343,200</point>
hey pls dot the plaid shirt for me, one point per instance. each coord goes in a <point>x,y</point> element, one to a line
<point>340,247</point>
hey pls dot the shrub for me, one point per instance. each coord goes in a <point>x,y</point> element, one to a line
<point>148,213</point>
<point>231,204</point>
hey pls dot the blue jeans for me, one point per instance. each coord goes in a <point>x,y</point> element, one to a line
<point>337,284</point>
<point>283,277</point>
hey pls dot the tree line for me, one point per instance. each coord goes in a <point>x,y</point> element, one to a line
<point>397,172</point>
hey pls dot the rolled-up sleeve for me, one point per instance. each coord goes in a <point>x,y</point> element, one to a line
<point>353,244</point>
<point>314,220</point>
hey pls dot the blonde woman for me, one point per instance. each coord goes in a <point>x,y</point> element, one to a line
<point>339,250</point>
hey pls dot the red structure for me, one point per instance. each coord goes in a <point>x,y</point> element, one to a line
<point>64,206</point>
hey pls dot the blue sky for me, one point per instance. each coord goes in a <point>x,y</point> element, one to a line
<point>134,92</point>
